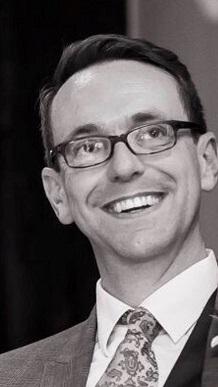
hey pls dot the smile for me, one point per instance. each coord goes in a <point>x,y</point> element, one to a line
<point>134,204</point>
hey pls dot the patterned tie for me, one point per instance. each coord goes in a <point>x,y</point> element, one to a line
<point>134,363</point>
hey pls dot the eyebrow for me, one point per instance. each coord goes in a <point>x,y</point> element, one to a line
<point>135,119</point>
<point>83,130</point>
<point>146,117</point>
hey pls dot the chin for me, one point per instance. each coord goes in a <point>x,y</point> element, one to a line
<point>141,248</point>
<point>139,252</point>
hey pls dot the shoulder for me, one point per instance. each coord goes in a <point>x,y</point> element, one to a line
<point>28,363</point>
<point>49,346</point>
<point>31,350</point>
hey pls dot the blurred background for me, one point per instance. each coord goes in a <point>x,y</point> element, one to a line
<point>47,271</point>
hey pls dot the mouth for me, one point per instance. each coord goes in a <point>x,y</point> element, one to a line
<point>134,204</point>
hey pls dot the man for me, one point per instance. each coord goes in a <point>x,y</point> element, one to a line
<point>128,155</point>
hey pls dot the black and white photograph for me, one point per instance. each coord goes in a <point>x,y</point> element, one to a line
<point>109,194</point>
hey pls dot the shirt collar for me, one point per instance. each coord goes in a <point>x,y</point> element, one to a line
<point>171,305</point>
<point>109,310</point>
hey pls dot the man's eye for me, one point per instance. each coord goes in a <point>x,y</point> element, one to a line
<point>89,147</point>
<point>151,133</point>
<point>157,132</point>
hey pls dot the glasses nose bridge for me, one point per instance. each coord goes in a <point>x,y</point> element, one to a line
<point>121,138</point>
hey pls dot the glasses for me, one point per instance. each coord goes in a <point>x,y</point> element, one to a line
<point>144,140</point>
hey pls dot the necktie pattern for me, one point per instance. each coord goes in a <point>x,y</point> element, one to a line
<point>134,363</point>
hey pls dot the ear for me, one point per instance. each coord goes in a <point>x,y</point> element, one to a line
<point>207,153</point>
<point>55,192</point>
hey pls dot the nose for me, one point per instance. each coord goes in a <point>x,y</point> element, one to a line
<point>124,165</point>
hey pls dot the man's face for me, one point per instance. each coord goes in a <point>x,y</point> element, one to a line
<point>115,97</point>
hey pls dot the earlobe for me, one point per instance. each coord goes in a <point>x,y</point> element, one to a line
<point>55,192</point>
<point>207,153</point>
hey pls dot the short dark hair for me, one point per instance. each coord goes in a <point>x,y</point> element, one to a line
<point>103,48</point>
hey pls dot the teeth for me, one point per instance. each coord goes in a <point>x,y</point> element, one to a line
<point>137,202</point>
<point>118,207</point>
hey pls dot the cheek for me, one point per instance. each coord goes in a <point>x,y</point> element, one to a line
<point>80,186</point>
<point>183,167</point>
<point>189,188</point>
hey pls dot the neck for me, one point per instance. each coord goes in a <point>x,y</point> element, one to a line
<point>132,282</point>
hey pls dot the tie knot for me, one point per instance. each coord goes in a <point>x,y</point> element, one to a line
<point>142,319</point>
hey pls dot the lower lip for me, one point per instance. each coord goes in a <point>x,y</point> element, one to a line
<point>136,213</point>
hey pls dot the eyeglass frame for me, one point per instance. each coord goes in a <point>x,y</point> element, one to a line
<point>114,139</point>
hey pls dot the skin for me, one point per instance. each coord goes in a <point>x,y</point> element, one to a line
<point>136,252</point>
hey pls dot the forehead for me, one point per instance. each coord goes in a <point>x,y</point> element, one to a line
<point>109,94</point>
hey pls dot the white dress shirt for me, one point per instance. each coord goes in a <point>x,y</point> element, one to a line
<point>177,305</point>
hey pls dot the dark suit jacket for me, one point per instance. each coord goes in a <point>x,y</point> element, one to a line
<point>63,360</point>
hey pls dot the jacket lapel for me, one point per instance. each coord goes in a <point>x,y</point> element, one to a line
<point>85,348</point>
<point>210,372</point>
<point>71,367</point>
